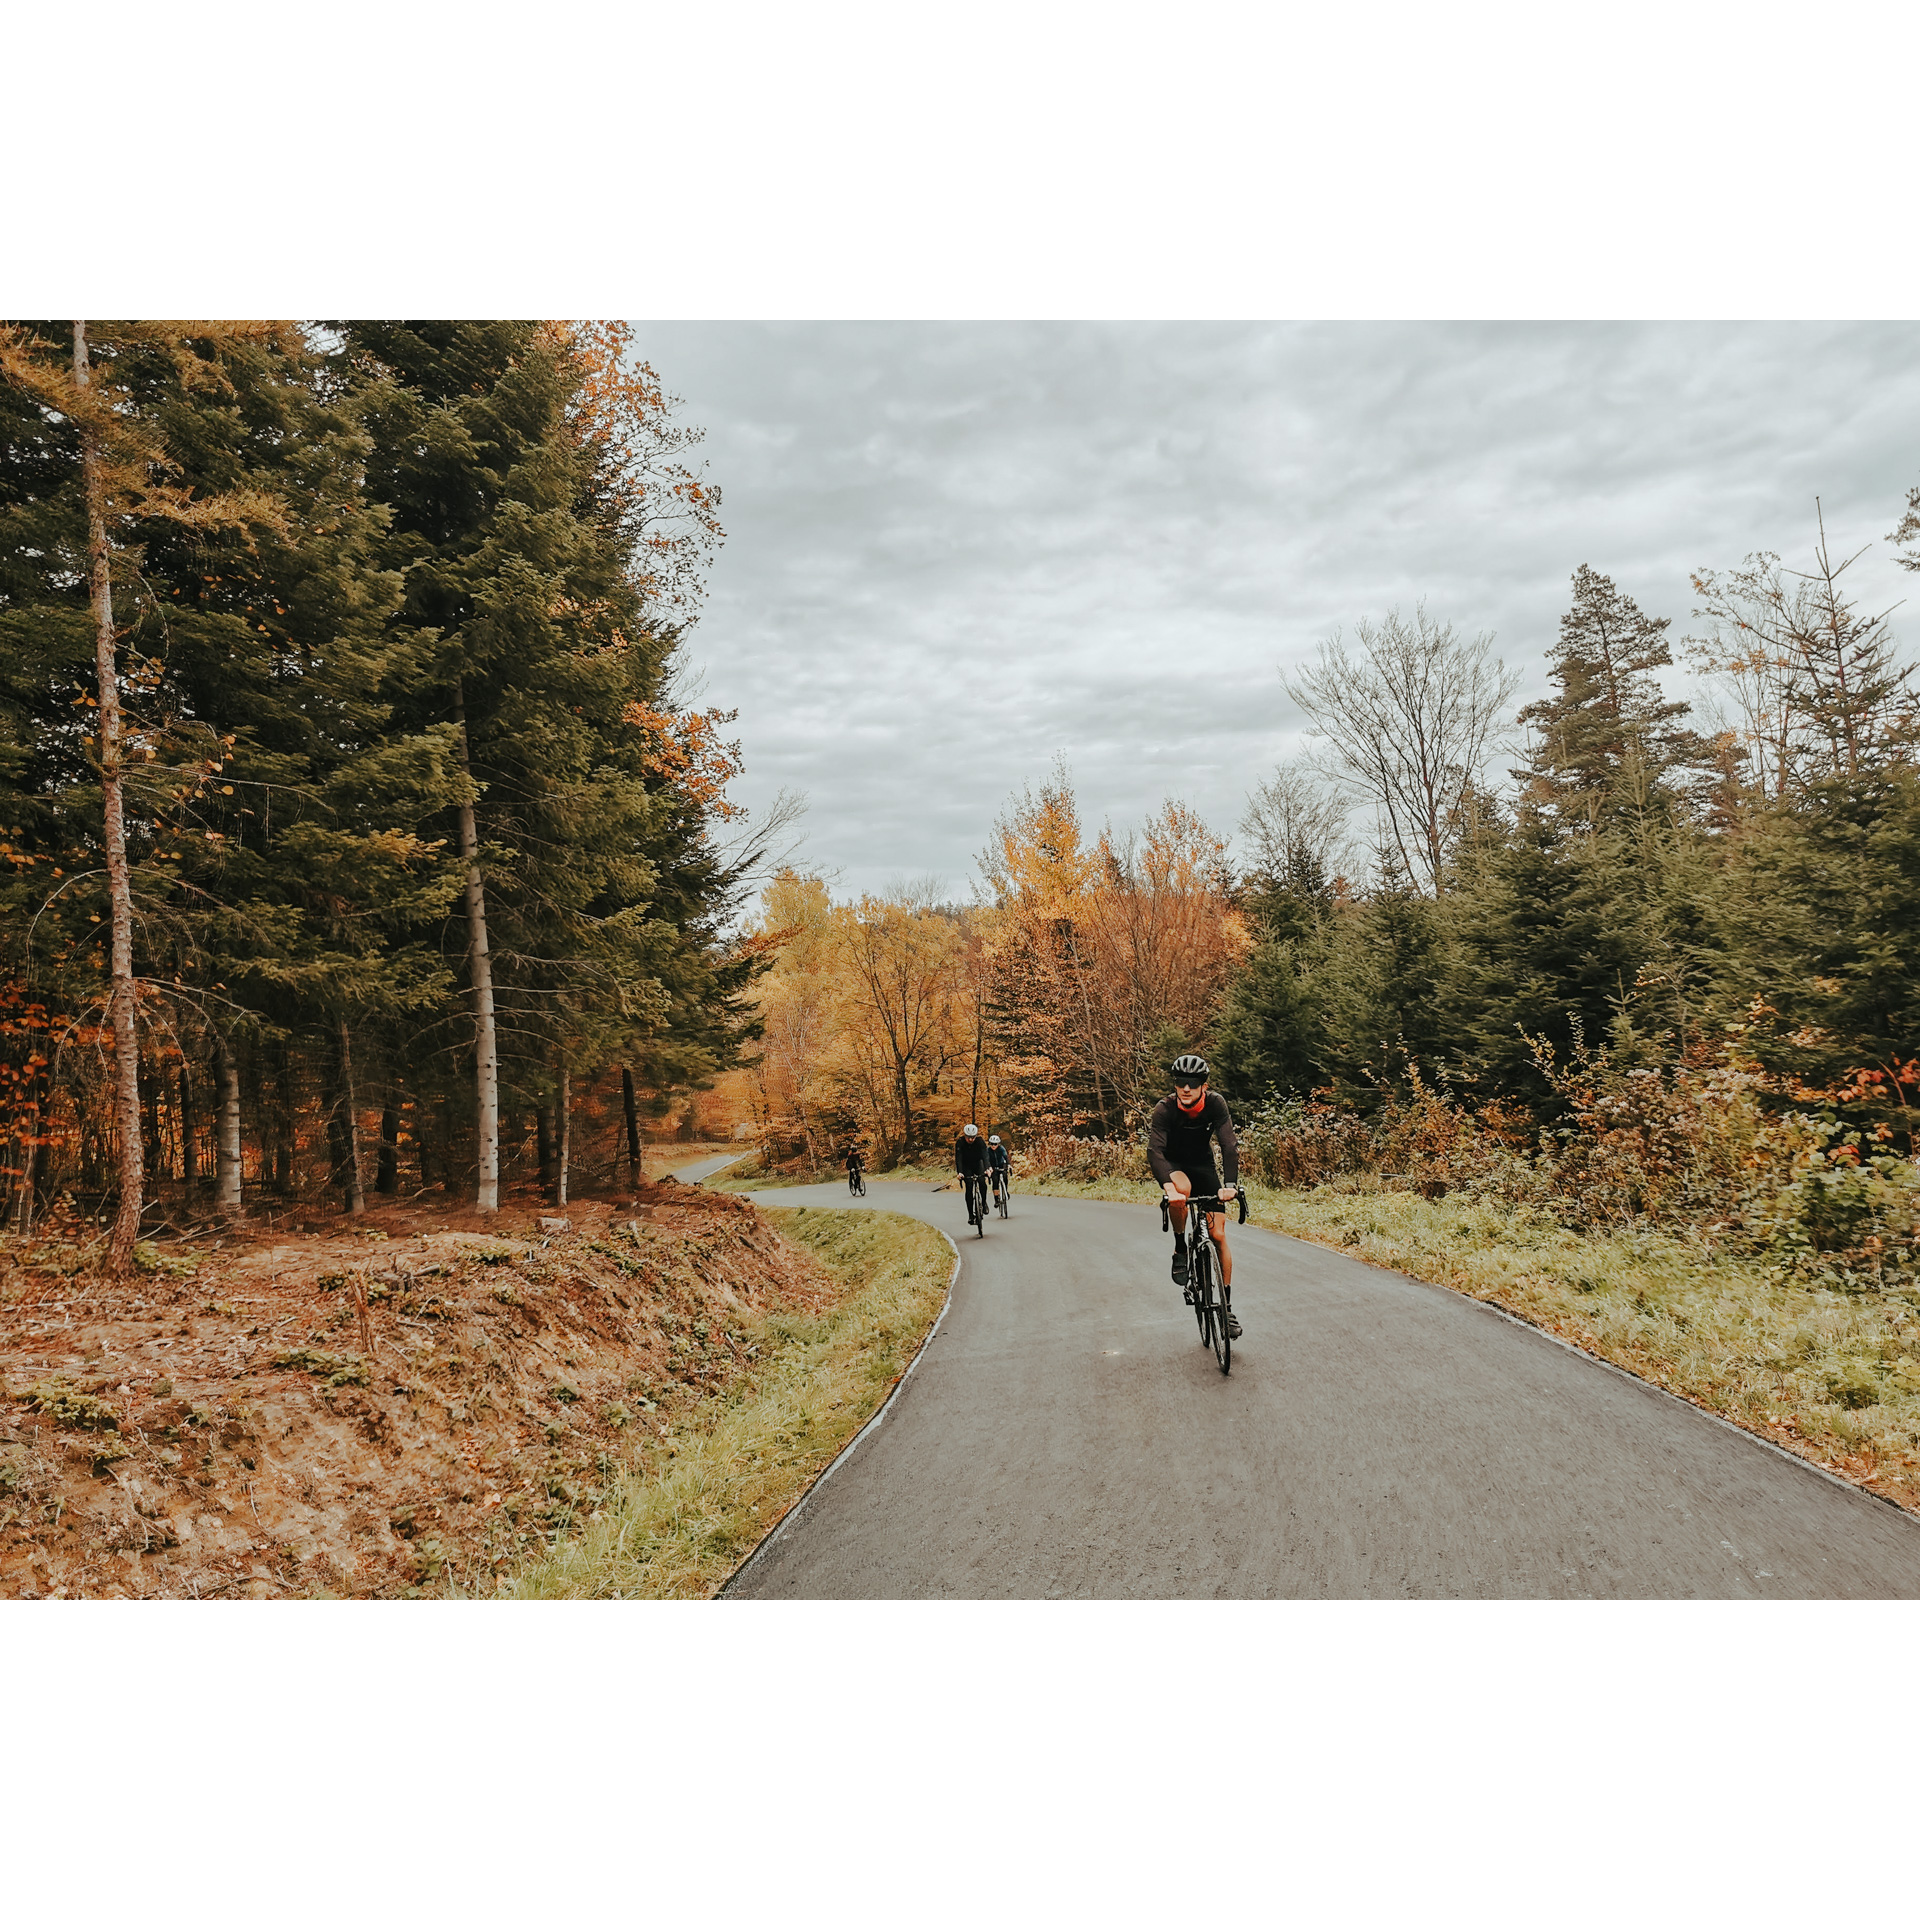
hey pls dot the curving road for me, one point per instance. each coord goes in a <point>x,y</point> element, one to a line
<point>1065,1436</point>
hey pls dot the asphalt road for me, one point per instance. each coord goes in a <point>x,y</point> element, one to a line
<point>1066,1436</point>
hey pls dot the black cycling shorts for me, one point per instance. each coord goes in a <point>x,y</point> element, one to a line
<point>1203,1180</point>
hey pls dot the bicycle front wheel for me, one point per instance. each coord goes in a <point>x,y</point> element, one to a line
<point>1202,1268</point>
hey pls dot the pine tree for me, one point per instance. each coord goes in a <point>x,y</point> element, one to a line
<point>101,413</point>
<point>1609,706</point>
<point>1816,923</point>
<point>593,886</point>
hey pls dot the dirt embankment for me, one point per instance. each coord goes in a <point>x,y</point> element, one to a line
<point>365,1409</point>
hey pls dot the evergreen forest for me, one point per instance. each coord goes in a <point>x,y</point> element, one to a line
<point>355,830</point>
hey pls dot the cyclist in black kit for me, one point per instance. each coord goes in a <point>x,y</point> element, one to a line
<point>1180,1139</point>
<point>856,1170</point>
<point>970,1163</point>
<point>999,1166</point>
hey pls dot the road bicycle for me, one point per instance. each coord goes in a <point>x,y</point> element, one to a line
<point>856,1183</point>
<point>1203,1294</point>
<point>1000,1194</point>
<point>976,1184</point>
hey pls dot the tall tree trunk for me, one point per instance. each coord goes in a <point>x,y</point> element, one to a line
<point>40,1164</point>
<point>349,1130</point>
<point>564,1130</point>
<point>486,1045</point>
<point>226,1147</point>
<point>633,1129</point>
<point>388,1179</point>
<point>906,1108</point>
<point>126,1047</point>
<point>189,1159</point>
<point>979,1054</point>
<point>543,1142</point>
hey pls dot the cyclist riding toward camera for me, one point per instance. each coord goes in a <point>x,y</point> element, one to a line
<point>970,1163</point>
<point>999,1165</point>
<point>856,1170</point>
<point>1180,1138</point>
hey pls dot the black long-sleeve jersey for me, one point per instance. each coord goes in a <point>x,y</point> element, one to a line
<point>969,1156</point>
<point>1185,1140</point>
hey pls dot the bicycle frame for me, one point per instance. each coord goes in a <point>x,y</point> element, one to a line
<point>1208,1303</point>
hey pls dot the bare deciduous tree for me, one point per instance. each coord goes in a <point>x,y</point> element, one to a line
<point>1295,824</point>
<point>1818,684</point>
<point>1411,724</point>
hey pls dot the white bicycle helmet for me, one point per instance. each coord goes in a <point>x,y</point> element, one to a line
<point>1189,1067</point>
<point>972,1132</point>
<point>993,1139</point>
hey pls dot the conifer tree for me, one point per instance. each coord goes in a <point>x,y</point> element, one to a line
<point>104,405</point>
<point>1609,704</point>
<point>538,576</point>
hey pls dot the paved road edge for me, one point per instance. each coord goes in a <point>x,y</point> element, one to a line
<point>880,1413</point>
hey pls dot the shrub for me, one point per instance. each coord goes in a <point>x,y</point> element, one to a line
<point>1067,1156</point>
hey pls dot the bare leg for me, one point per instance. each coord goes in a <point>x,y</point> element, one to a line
<point>1217,1226</point>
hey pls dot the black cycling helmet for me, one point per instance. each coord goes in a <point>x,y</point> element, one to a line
<point>1189,1070</point>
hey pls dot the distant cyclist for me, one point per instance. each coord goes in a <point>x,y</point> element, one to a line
<point>970,1163</point>
<point>856,1170</point>
<point>999,1165</point>
<point>1180,1139</point>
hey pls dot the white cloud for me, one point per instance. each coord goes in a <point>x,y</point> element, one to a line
<point>955,551</point>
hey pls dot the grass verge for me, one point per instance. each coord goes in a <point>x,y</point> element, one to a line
<point>1833,1376</point>
<point>678,1530</point>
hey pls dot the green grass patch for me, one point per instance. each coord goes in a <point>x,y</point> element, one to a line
<point>1832,1374</point>
<point>676,1527</point>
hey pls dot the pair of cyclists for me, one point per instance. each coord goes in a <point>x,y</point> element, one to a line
<point>982,1160</point>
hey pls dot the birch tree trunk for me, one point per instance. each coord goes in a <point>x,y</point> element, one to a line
<point>564,1129</point>
<point>226,1150</point>
<point>126,1045</point>
<point>486,1042</point>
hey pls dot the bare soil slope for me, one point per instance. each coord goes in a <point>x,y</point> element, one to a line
<point>407,1407</point>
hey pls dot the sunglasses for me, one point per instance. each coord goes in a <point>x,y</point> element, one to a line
<point>1181,1080</point>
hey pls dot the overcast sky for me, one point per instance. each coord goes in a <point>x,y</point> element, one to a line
<point>955,551</point>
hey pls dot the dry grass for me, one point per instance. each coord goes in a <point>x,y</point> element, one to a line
<point>1832,1375</point>
<point>678,1529</point>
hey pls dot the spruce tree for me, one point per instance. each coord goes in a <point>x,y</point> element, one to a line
<point>1609,706</point>
<point>1816,942</point>
<point>593,888</point>
<point>101,409</point>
